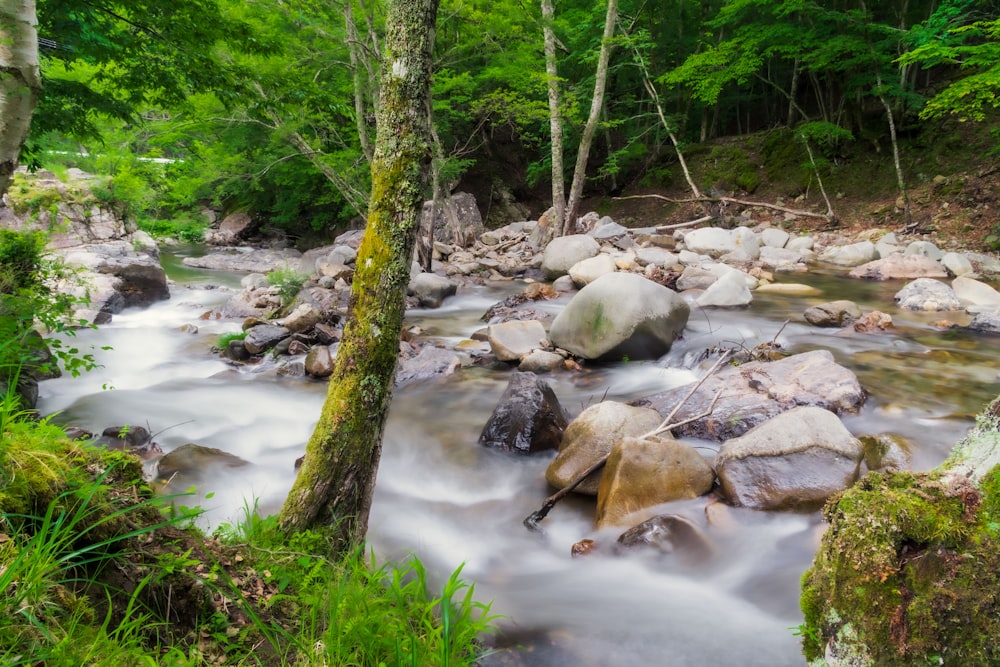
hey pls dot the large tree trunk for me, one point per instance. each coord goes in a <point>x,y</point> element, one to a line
<point>20,81</point>
<point>555,118</point>
<point>334,486</point>
<point>583,154</point>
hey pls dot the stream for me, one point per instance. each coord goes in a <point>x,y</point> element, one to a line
<point>441,496</point>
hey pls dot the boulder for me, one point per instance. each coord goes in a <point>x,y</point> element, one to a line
<point>927,294</point>
<point>924,249</point>
<point>591,436</point>
<point>541,361</point>
<point>872,322</point>
<point>716,242</point>
<point>431,289</point>
<point>319,361</point>
<point>527,419</point>
<point>643,473</point>
<point>900,267</point>
<point>263,337</point>
<point>134,439</point>
<point>512,340</point>
<point>782,258</point>
<point>833,313</point>
<point>191,460</point>
<point>987,322</point>
<point>588,270</point>
<point>233,229</point>
<point>456,220</point>
<point>668,534</point>
<point>886,451</point>
<point>800,243</point>
<point>431,362</point>
<point>729,291</point>
<point>753,392</point>
<point>251,260</point>
<point>302,318</point>
<point>793,461</point>
<point>975,292</point>
<point>655,256</point>
<point>563,252</point>
<point>619,315</point>
<point>956,263</point>
<point>772,237</point>
<point>854,254</point>
<point>696,277</point>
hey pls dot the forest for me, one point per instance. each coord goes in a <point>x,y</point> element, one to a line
<point>270,107</point>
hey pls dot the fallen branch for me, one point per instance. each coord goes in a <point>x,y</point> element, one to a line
<point>731,200</point>
<point>532,521</point>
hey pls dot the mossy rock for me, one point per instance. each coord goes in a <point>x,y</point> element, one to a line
<point>908,572</point>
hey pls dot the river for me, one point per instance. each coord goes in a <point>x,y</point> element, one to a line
<point>449,501</point>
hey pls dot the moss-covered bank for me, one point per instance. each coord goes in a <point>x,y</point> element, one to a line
<point>908,572</point>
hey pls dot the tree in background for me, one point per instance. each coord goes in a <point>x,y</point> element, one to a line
<point>335,484</point>
<point>20,81</point>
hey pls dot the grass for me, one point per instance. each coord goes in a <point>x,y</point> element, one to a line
<point>97,570</point>
<point>288,281</point>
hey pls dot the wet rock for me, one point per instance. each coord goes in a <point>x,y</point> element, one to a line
<point>562,253</point>
<point>618,315</point>
<point>430,362</point>
<point>302,318</point>
<point>141,280</point>
<point>234,228</point>
<point>642,473</point>
<point>794,461</point>
<point>926,294</point>
<point>591,436</point>
<point>668,534</point>
<point>191,460</point>
<point>319,361</point>
<point>511,341</point>
<point>753,392</point>
<point>900,267</point>
<point>886,451</point>
<point>584,547</point>
<point>833,313</point>
<point>986,322</point>
<point>527,419</point>
<point>541,361</point>
<point>873,322</point>
<point>236,350</point>
<point>135,439</point>
<point>431,289</point>
<point>263,337</point>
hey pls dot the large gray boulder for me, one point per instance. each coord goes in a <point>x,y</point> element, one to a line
<point>729,291</point>
<point>900,267</point>
<point>457,220</point>
<point>975,292</point>
<point>794,461</point>
<point>563,252</point>
<point>527,419</point>
<point>431,289</point>
<point>752,393</point>
<point>927,294</point>
<point>591,436</point>
<point>620,315</point>
<point>854,254</point>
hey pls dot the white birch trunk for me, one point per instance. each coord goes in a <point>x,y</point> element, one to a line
<point>20,81</point>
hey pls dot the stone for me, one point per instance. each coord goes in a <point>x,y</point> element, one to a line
<point>886,451</point>
<point>527,419</point>
<point>512,340</point>
<point>263,337</point>
<point>833,313</point>
<point>588,270</point>
<point>591,436</point>
<point>956,263</point>
<point>696,277</point>
<point>782,258</point>
<point>302,318</point>
<point>758,390</point>
<point>793,461</point>
<point>926,294</point>
<point>711,241</point>
<point>874,321</point>
<point>607,229</point>
<point>987,322</point>
<point>618,315</point>
<point>729,291</point>
<point>668,534</point>
<point>319,361</point>
<point>191,460</point>
<point>540,361</point>
<point>854,254</point>
<point>643,473</point>
<point>430,363</point>
<point>251,260</point>
<point>800,243</point>
<point>655,256</point>
<point>456,220</point>
<point>134,439</point>
<point>563,252</point>
<point>788,289</point>
<point>233,229</point>
<point>772,237</point>
<point>924,249</point>
<point>975,292</point>
<point>431,289</point>
<point>900,267</point>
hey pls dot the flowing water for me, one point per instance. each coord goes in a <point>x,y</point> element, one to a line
<point>444,498</point>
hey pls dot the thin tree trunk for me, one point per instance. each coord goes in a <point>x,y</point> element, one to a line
<point>900,179</point>
<point>360,108</point>
<point>555,118</point>
<point>583,153</point>
<point>20,81</point>
<point>334,486</point>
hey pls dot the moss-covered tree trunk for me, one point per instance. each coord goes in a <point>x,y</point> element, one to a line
<point>20,81</point>
<point>334,486</point>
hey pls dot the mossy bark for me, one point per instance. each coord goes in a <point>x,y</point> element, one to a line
<point>335,483</point>
<point>908,572</point>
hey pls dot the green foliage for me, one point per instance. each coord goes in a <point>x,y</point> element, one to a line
<point>225,339</point>
<point>288,281</point>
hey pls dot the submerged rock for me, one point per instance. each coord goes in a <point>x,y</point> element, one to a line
<point>668,534</point>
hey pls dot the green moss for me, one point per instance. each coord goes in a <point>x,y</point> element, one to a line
<point>730,167</point>
<point>911,566</point>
